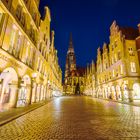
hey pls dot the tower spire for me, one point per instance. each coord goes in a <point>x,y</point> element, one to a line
<point>71,47</point>
<point>71,40</point>
<point>70,58</point>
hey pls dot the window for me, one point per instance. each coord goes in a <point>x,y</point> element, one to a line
<point>119,55</point>
<point>26,1</point>
<point>106,66</point>
<point>112,60</point>
<point>13,37</point>
<point>121,69</point>
<point>1,21</point>
<point>133,66</point>
<point>131,52</point>
<point>112,47</point>
<point>115,57</point>
<point>1,15</point>
<point>23,19</point>
<point>113,73</point>
<point>18,45</point>
<point>18,11</point>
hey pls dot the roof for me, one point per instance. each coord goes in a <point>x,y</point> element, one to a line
<point>81,71</point>
<point>129,32</point>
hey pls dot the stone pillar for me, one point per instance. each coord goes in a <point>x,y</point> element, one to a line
<point>2,92</point>
<point>115,94</point>
<point>122,94</point>
<point>13,95</point>
<point>34,92</point>
<point>46,92</point>
<point>38,93</point>
<point>28,98</point>
<point>42,92</point>
<point>130,95</point>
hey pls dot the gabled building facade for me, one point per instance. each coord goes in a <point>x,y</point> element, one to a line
<point>117,66</point>
<point>90,83</point>
<point>26,54</point>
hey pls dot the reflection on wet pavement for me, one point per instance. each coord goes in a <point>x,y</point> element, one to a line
<point>76,118</point>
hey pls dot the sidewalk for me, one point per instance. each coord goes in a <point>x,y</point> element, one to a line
<point>134,103</point>
<point>14,113</point>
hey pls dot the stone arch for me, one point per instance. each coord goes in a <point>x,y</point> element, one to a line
<point>24,95</point>
<point>9,87</point>
<point>136,90</point>
<point>125,91</point>
<point>118,92</point>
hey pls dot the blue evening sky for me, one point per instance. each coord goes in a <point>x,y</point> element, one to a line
<point>89,21</point>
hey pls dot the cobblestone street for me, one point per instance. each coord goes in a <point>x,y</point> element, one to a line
<point>76,118</point>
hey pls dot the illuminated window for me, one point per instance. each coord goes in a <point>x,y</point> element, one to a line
<point>133,66</point>
<point>113,73</point>
<point>12,40</point>
<point>121,69</point>
<point>115,57</point>
<point>18,45</point>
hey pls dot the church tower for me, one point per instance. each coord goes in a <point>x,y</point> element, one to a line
<point>74,76</point>
<point>70,59</point>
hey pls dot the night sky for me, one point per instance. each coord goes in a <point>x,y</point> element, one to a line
<point>89,21</point>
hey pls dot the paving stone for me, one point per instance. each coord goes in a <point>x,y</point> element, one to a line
<point>76,118</point>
